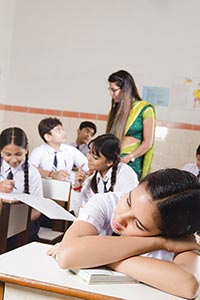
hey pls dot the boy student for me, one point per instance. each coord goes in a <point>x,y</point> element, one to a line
<point>55,159</point>
<point>194,168</point>
<point>85,132</point>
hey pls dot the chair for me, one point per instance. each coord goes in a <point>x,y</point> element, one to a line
<point>59,191</point>
<point>15,218</point>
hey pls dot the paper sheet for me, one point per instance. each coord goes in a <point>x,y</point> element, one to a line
<point>46,206</point>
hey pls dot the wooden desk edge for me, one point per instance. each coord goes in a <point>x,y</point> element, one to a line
<point>4,278</point>
<point>8,201</point>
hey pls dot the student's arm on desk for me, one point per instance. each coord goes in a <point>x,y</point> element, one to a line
<point>82,247</point>
<point>180,278</point>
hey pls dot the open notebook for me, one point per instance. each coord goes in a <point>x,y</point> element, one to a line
<point>103,276</point>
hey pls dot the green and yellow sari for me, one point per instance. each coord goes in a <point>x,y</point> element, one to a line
<point>141,110</point>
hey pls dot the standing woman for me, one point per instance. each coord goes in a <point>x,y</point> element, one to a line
<point>132,120</point>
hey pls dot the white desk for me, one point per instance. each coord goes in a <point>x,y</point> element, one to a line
<point>28,273</point>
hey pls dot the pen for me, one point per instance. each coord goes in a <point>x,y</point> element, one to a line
<point>65,164</point>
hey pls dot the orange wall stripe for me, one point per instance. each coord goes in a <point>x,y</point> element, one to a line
<point>83,115</point>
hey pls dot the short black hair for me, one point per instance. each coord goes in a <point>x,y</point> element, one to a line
<point>46,125</point>
<point>88,124</point>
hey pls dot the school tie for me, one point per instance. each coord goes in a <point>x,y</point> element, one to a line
<point>55,161</point>
<point>105,188</point>
<point>198,176</point>
<point>10,175</point>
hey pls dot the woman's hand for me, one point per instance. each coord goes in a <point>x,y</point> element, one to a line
<point>126,159</point>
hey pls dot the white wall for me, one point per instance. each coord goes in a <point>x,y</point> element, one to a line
<point>62,51</point>
<point>7,8</point>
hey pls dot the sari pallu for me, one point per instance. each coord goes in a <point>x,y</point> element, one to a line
<point>142,164</point>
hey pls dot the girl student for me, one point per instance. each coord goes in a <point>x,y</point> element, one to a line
<point>16,174</point>
<point>108,173</point>
<point>155,222</point>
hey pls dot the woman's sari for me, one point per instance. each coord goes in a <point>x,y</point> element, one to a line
<point>140,165</point>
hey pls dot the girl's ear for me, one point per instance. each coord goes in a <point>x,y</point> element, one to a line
<point>27,148</point>
<point>109,163</point>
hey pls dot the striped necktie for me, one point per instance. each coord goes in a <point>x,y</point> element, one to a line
<point>10,175</point>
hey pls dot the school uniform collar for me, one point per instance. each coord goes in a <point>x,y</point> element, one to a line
<point>106,178</point>
<point>6,167</point>
<point>52,150</point>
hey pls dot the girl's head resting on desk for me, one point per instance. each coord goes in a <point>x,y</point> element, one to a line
<point>166,202</point>
<point>13,146</point>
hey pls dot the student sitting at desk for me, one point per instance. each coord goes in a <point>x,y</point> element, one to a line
<point>109,174</point>
<point>85,132</point>
<point>55,159</point>
<point>155,222</point>
<point>17,175</point>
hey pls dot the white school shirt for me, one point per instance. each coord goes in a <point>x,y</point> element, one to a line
<point>35,182</point>
<point>126,181</point>
<point>83,147</point>
<point>42,157</point>
<point>192,168</point>
<point>98,211</point>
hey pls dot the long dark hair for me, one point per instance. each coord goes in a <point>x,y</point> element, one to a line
<point>177,196</point>
<point>16,136</point>
<point>109,146</point>
<point>119,112</point>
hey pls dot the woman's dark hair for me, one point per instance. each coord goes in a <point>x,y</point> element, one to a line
<point>46,125</point>
<point>177,196</point>
<point>109,146</point>
<point>16,136</point>
<point>120,111</point>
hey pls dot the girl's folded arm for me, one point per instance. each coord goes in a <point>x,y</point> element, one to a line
<point>179,278</point>
<point>82,247</point>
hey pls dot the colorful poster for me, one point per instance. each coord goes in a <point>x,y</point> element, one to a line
<point>158,96</point>
<point>186,93</point>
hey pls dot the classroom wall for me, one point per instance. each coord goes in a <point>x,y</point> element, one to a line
<point>173,146</point>
<point>62,51</point>
<point>57,54</point>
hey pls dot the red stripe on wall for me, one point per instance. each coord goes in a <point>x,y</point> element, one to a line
<point>82,115</point>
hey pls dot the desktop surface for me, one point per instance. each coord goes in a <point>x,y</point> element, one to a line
<point>30,264</point>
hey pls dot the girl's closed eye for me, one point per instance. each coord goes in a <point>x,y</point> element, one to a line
<point>138,225</point>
